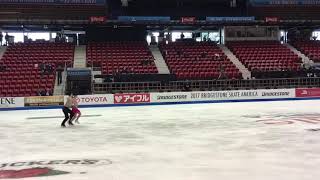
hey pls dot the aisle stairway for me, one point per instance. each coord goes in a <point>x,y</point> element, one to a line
<point>246,74</point>
<point>159,61</point>
<point>2,50</point>
<point>80,57</point>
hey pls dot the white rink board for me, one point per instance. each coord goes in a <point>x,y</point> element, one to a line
<point>222,95</point>
<point>11,102</point>
<point>171,97</point>
<point>97,99</point>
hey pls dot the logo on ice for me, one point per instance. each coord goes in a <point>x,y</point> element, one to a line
<point>25,169</point>
<point>131,98</point>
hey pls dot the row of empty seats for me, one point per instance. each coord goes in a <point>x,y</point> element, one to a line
<point>309,48</point>
<point>121,57</point>
<point>265,56</point>
<point>198,60</point>
<point>21,75</point>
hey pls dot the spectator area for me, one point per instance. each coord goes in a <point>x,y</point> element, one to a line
<point>309,48</point>
<point>121,57</point>
<point>198,60</point>
<point>265,56</point>
<point>21,74</point>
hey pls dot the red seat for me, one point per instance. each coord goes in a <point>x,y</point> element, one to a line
<point>118,55</point>
<point>264,55</point>
<point>181,56</point>
<point>20,60</point>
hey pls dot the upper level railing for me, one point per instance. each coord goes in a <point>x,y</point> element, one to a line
<point>212,85</point>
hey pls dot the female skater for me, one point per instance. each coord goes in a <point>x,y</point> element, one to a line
<point>66,111</point>
<point>75,110</point>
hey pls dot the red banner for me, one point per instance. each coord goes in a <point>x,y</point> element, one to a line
<point>131,98</point>
<point>272,19</point>
<point>98,19</point>
<point>308,92</point>
<point>188,20</point>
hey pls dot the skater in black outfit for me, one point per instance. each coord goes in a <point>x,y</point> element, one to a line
<point>67,110</point>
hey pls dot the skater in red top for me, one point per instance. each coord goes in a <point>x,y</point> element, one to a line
<point>75,110</point>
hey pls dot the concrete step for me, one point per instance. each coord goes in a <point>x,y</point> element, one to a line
<point>2,50</point>
<point>80,57</point>
<point>159,60</point>
<point>305,59</point>
<point>246,74</point>
<point>60,89</point>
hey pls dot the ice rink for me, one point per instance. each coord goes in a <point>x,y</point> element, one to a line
<point>226,141</point>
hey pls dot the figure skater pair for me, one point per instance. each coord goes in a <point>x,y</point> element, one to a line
<point>71,111</point>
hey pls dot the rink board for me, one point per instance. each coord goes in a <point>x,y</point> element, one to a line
<point>171,98</point>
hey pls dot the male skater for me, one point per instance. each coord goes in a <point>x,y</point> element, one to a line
<point>66,110</point>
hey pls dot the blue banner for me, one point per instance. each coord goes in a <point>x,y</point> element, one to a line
<point>144,18</point>
<point>230,19</point>
<point>285,2</point>
<point>75,2</point>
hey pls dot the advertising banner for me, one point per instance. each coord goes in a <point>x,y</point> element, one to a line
<point>308,92</point>
<point>98,19</point>
<point>43,101</point>
<point>131,98</point>
<point>230,19</point>
<point>245,94</point>
<point>222,95</point>
<point>144,18</point>
<point>11,102</point>
<point>171,97</point>
<point>285,2</point>
<point>188,20</point>
<point>94,99</point>
<point>272,19</point>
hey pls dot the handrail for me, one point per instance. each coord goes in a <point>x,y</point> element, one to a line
<point>205,85</point>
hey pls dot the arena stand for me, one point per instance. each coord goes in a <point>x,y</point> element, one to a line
<point>121,57</point>
<point>309,48</point>
<point>266,58</point>
<point>21,74</point>
<point>198,60</point>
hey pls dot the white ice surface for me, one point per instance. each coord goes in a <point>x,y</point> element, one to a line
<point>175,142</point>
